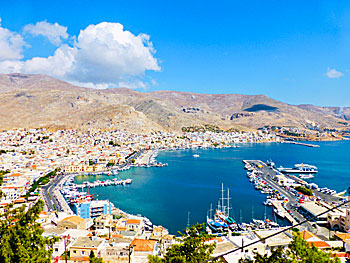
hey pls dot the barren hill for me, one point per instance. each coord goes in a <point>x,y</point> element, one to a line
<point>42,101</point>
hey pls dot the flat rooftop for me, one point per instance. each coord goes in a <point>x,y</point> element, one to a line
<point>314,208</point>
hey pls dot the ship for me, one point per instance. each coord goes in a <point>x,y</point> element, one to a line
<point>221,221</point>
<point>299,169</point>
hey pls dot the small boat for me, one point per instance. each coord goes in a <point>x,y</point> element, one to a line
<point>279,213</point>
<point>306,176</point>
<point>270,163</point>
<point>196,155</point>
<point>268,202</point>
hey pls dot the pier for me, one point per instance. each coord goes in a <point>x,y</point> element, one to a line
<point>302,144</point>
<point>268,174</point>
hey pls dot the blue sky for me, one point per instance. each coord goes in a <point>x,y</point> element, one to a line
<point>294,51</point>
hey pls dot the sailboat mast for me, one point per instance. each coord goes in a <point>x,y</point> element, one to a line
<point>222,198</point>
<point>188,220</point>
<point>228,202</point>
<point>211,210</point>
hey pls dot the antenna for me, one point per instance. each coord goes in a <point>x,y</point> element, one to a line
<point>240,215</point>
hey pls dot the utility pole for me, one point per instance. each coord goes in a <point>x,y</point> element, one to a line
<point>130,249</point>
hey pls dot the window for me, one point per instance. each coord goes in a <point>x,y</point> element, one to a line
<point>83,252</point>
<point>74,251</point>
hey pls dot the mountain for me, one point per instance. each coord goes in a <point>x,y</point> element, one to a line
<point>28,101</point>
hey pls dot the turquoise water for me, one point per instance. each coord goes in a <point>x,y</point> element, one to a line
<point>166,195</point>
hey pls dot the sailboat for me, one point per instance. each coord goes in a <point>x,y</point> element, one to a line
<point>222,220</point>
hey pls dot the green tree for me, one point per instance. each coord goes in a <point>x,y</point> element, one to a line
<point>191,249</point>
<point>298,251</point>
<point>110,164</point>
<point>93,258</point>
<point>21,236</point>
<point>304,190</point>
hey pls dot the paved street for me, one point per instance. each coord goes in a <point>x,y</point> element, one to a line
<point>52,203</point>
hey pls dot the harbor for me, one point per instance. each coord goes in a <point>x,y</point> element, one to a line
<point>287,202</point>
<point>187,174</point>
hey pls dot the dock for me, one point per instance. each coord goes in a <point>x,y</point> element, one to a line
<point>302,144</point>
<point>268,174</point>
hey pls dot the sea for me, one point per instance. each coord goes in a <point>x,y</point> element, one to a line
<point>182,192</point>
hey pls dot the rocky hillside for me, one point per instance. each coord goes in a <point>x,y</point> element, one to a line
<point>42,101</point>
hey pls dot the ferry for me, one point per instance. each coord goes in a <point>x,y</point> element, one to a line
<point>299,169</point>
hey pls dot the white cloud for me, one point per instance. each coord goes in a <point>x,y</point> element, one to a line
<point>102,55</point>
<point>11,45</point>
<point>54,32</point>
<point>334,74</point>
<point>109,54</point>
<point>57,65</point>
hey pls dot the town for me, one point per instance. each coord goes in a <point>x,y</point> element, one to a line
<point>41,164</point>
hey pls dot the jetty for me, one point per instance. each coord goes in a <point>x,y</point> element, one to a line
<point>270,179</point>
<point>302,144</point>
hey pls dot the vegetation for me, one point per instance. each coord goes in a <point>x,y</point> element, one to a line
<point>192,248</point>
<point>21,236</point>
<point>298,251</point>
<point>2,173</point>
<point>42,181</point>
<point>304,190</point>
<point>232,130</point>
<point>110,164</point>
<point>94,259</point>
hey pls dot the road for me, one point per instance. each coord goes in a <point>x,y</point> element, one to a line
<point>49,197</point>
